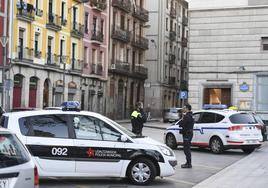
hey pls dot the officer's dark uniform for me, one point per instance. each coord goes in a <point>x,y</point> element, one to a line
<point>138,117</point>
<point>187,125</point>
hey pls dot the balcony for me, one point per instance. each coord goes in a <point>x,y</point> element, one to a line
<point>172,35</point>
<point>120,34</point>
<point>173,13</point>
<point>77,30</point>
<point>53,22</point>
<point>184,63</point>
<point>52,60</point>
<point>172,80</point>
<point>77,64</point>
<point>172,58</point>
<point>140,42</point>
<point>24,54</point>
<point>98,5</point>
<point>120,67</point>
<point>124,5</point>
<point>185,21</point>
<point>184,42</point>
<point>141,70</point>
<point>27,14</point>
<point>141,14</point>
<point>97,37</point>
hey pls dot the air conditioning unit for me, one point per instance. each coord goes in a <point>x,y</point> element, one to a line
<point>112,66</point>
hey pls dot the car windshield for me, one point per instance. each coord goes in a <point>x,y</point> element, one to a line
<point>242,118</point>
<point>12,151</point>
<point>123,129</point>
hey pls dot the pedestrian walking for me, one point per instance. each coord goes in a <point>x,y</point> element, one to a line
<point>138,117</point>
<point>187,124</point>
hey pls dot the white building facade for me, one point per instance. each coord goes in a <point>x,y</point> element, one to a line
<point>228,58</point>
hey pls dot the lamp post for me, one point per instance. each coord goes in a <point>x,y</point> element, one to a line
<point>4,41</point>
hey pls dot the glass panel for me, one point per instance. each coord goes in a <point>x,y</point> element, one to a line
<point>242,119</point>
<point>219,118</point>
<point>208,118</point>
<point>11,151</point>
<point>196,117</point>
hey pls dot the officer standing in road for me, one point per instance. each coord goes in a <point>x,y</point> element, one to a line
<point>187,125</point>
<point>137,119</point>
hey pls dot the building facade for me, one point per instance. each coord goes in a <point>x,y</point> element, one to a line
<point>46,39</point>
<point>127,72</point>
<point>167,57</point>
<point>95,56</point>
<point>228,54</point>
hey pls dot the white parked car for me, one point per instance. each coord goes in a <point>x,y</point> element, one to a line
<point>220,130</point>
<point>17,169</point>
<point>87,144</point>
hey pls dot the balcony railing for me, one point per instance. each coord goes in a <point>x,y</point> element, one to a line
<point>140,42</point>
<point>141,13</point>
<point>172,58</point>
<point>141,70</point>
<point>185,20</point>
<point>99,5</point>
<point>124,5</point>
<point>97,36</point>
<point>77,64</point>
<point>25,14</point>
<point>120,67</point>
<point>24,53</point>
<point>172,35</point>
<point>77,30</point>
<point>184,42</point>
<point>173,13</point>
<point>172,80</point>
<point>184,85</point>
<point>53,22</point>
<point>120,34</point>
<point>52,59</point>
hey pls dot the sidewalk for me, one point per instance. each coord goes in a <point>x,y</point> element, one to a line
<point>251,171</point>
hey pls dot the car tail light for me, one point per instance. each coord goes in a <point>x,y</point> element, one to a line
<point>36,177</point>
<point>258,127</point>
<point>236,128</point>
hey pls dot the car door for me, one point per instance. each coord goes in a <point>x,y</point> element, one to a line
<point>49,142</point>
<point>203,128</point>
<point>99,148</point>
<point>197,118</point>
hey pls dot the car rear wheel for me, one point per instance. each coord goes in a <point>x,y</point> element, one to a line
<point>248,150</point>
<point>216,145</point>
<point>141,171</point>
<point>171,141</point>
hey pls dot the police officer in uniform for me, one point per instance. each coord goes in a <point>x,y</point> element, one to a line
<point>137,119</point>
<point>187,125</point>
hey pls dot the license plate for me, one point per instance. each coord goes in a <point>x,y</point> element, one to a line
<point>4,183</point>
<point>251,141</point>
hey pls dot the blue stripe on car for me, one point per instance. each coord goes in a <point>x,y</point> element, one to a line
<point>202,129</point>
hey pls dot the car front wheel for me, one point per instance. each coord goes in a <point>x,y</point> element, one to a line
<point>141,171</point>
<point>171,141</point>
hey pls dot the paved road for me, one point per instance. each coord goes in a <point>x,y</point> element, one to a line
<point>205,164</point>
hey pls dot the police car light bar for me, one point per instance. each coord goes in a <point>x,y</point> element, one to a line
<point>70,106</point>
<point>215,106</point>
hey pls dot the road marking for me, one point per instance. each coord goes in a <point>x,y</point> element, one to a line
<point>209,167</point>
<point>181,181</point>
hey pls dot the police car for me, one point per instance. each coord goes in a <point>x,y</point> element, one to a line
<point>219,130</point>
<point>72,143</point>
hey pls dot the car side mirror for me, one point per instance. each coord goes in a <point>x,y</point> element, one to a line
<point>123,138</point>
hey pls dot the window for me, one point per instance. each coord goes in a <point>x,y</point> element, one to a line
<point>208,117</point>
<point>166,24</point>
<point>94,24</point>
<point>54,126</point>
<point>11,151</point>
<point>86,55</point>
<point>242,118</point>
<point>264,43</point>
<point>196,117</point>
<point>86,22</point>
<point>90,128</point>
<point>219,118</point>
<point>62,42</point>
<point>102,27</point>
<point>62,11</point>
<point>36,52</point>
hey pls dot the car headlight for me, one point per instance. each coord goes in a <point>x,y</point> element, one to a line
<point>166,151</point>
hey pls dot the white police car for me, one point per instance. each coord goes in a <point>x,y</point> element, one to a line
<point>219,130</point>
<point>86,144</point>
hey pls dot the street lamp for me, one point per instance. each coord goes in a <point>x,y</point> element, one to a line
<point>4,41</point>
